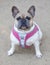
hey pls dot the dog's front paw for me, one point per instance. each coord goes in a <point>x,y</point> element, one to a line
<point>39,55</point>
<point>10,52</point>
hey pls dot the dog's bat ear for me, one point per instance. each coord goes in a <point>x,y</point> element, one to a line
<point>31,10</point>
<point>15,11</point>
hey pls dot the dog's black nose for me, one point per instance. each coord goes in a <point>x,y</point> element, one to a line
<point>24,24</point>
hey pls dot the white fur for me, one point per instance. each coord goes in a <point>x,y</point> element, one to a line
<point>35,40</point>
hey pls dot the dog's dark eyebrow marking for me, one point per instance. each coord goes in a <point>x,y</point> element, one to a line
<point>18,18</point>
<point>27,17</point>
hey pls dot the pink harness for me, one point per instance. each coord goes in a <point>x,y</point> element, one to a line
<point>28,35</point>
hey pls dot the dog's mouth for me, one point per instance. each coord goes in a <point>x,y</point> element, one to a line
<point>24,28</point>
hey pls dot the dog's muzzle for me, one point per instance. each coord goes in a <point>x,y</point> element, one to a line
<point>23,24</point>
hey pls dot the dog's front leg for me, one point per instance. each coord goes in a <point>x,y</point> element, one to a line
<point>37,49</point>
<point>12,49</point>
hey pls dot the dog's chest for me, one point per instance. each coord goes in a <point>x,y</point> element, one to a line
<point>25,37</point>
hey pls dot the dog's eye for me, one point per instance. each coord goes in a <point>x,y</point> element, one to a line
<point>19,18</point>
<point>27,17</point>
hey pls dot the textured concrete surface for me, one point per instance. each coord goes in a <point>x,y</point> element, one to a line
<point>24,56</point>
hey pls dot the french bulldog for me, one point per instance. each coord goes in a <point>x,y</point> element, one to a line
<point>26,31</point>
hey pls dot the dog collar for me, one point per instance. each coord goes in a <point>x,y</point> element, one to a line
<point>23,37</point>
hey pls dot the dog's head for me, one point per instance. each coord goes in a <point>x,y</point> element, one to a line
<point>23,21</point>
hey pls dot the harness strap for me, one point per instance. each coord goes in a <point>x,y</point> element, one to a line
<point>30,35</point>
<point>15,34</point>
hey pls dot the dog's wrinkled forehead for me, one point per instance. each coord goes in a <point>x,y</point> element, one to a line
<point>30,11</point>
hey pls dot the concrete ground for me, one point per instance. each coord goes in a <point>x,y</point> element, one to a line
<point>24,56</point>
